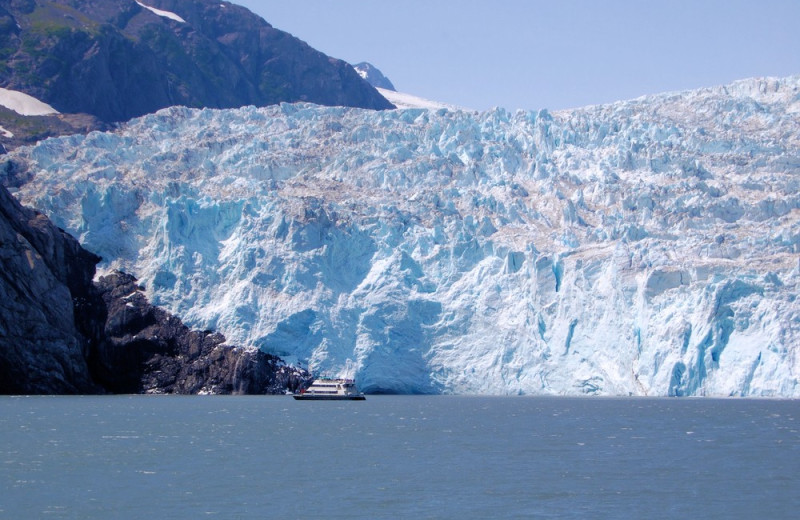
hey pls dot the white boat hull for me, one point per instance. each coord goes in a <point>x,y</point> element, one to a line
<point>330,390</point>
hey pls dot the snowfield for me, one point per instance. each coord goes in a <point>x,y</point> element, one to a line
<point>23,104</point>
<point>401,100</point>
<point>646,247</point>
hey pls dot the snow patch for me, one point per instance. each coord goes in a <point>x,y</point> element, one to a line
<point>165,14</point>
<point>401,100</point>
<point>23,104</point>
<point>6,133</point>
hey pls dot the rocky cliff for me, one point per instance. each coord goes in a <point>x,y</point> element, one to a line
<point>62,334</point>
<point>45,278</point>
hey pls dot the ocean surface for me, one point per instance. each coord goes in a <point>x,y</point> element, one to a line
<point>398,457</point>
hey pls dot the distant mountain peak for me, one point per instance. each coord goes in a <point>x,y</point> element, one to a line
<point>373,76</point>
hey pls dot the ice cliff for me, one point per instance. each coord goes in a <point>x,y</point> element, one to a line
<point>647,247</point>
<point>62,333</point>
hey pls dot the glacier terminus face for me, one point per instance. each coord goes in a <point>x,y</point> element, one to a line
<point>648,247</point>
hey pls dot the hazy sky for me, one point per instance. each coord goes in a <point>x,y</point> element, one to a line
<point>548,54</point>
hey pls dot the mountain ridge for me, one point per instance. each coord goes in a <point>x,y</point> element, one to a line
<point>119,59</point>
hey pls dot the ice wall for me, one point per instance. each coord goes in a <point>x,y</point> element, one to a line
<point>648,247</point>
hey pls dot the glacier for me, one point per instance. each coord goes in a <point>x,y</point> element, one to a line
<point>645,247</point>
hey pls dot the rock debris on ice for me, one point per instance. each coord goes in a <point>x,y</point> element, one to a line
<point>647,247</point>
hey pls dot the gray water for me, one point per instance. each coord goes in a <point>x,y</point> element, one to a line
<point>134,457</point>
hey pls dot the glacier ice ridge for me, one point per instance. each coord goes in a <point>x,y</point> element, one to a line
<point>646,247</point>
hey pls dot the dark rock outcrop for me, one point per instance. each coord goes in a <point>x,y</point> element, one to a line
<point>115,59</point>
<point>60,333</point>
<point>147,350</point>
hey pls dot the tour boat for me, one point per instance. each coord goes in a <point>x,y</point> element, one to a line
<point>331,390</point>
